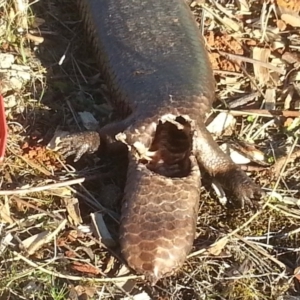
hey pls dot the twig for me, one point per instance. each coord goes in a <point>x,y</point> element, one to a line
<point>285,163</point>
<point>278,208</point>
<point>263,113</point>
<point>224,72</point>
<point>72,277</point>
<point>276,247</point>
<point>250,168</point>
<point>92,201</point>
<point>264,253</point>
<point>45,240</point>
<point>243,100</point>
<point>34,38</point>
<point>251,61</point>
<point>42,188</point>
<point>234,232</point>
<point>31,217</point>
<point>249,276</point>
<point>58,217</point>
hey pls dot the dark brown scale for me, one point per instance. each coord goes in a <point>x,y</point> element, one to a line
<point>154,61</point>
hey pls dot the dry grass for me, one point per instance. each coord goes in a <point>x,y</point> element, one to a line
<point>238,254</point>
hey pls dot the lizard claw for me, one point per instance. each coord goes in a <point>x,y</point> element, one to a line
<point>79,143</point>
<point>244,191</point>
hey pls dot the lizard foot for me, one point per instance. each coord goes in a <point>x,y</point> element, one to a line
<point>242,188</point>
<point>79,143</point>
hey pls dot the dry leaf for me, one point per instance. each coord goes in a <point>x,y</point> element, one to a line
<point>288,122</point>
<point>88,251</point>
<point>90,291</point>
<point>84,268</point>
<point>69,253</point>
<point>38,238</point>
<point>291,20</point>
<point>61,192</point>
<point>123,271</point>
<point>289,97</point>
<point>35,242</point>
<point>290,5</point>
<point>126,285</point>
<point>281,25</point>
<point>294,76</point>
<point>72,235</point>
<point>270,97</point>
<point>72,206</point>
<point>250,151</point>
<point>5,212</point>
<point>262,74</point>
<point>110,264</point>
<point>297,273</point>
<point>289,11</point>
<point>217,247</point>
<point>243,5</point>
<point>73,295</point>
<point>5,242</point>
<point>223,121</point>
<point>295,124</point>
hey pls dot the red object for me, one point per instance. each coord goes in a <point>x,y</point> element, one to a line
<point>3,129</point>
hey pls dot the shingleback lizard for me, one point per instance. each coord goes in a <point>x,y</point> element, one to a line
<point>154,61</point>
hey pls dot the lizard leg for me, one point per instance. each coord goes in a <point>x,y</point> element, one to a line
<point>89,141</point>
<point>221,167</point>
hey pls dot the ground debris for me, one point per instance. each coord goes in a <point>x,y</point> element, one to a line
<point>35,242</point>
<point>49,78</point>
<point>101,231</point>
<point>72,206</point>
<point>14,78</point>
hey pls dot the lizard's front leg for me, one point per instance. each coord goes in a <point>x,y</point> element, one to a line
<point>89,141</point>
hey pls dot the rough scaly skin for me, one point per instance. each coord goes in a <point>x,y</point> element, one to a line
<point>158,220</point>
<point>155,64</point>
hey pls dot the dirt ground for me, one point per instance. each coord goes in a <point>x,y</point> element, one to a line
<point>49,247</point>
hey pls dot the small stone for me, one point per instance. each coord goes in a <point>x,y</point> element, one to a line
<point>24,75</point>
<point>15,83</point>
<point>88,120</point>
<point>6,60</point>
<point>222,122</point>
<point>20,68</point>
<point>4,82</point>
<point>10,101</point>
